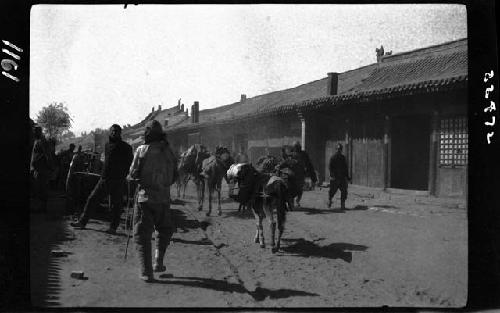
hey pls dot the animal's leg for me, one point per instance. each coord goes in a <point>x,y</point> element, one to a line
<point>261,233</point>
<point>256,238</point>
<point>270,212</point>
<point>201,194</point>
<point>218,201</point>
<point>210,194</point>
<point>281,217</point>
<point>273,232</point>
<point>290,203</point>
<point>281,229</point>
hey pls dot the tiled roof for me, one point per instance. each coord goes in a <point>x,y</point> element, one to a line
<point>173,114</point>
<point>422,70</point>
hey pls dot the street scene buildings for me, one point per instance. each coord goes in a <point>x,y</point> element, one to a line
<point>389,131</point>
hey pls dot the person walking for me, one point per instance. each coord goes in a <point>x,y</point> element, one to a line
<point>154,168</point>
<point>72,181</point>
<point>117,158</point>
<point>338,177</point>
<point>65,158</point>
<point>40,170</point>
<point>305,169</point>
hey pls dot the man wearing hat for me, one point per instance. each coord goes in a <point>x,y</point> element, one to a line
<point>338,177</point>
<point>154,168</point>
<point>117,158</point>
<point>306,169</point>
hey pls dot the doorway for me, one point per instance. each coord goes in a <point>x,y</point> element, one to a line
<point>410,140</point>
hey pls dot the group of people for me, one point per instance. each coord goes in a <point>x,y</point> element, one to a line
<point>49,170</point>
<point>154,168</point>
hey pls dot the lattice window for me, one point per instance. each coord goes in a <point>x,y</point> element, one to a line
<point>454,142</point>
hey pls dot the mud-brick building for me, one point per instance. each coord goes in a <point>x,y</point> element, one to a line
<point>167,117</point>
<point>402,121</point>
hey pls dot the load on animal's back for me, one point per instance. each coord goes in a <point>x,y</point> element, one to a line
<point>216,166</point>
<point>265,193</point>
<point>213,170</point>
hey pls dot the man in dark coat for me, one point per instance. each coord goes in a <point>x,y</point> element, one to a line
<point>40,169</point>
<point>117,159</point>
<point>306,169</point>
<point>338,177</point>
<point>72,181</point>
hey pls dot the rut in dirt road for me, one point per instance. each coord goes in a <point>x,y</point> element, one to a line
<point>248,286</point>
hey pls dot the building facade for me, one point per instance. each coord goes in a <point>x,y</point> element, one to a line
<point>402,121</point>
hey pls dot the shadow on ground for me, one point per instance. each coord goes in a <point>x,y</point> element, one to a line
<point>183,222</point>
<point>358,208</point>
<point>244,214</point>
<point>313,211</point>
<point>305,248</point>
<point>202,242</point>
<point>47,233</point>
<point>259,294</point>
<point>383,206</point>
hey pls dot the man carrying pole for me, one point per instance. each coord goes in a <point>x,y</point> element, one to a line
<point>154,167</point>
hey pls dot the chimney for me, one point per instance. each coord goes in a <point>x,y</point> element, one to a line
<point>152,109</point>
<point>182,107</point>
<point>179,103</point>
<point>192,113</point>
<point>332,84</point>
<point>196,112</point>
<point>243,98</point>
<point>187,112</point>
<point>159,107</point>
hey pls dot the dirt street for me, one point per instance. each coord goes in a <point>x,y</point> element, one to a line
<point>395,250</point>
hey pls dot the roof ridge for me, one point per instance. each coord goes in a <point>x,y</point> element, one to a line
<point>441,45</point>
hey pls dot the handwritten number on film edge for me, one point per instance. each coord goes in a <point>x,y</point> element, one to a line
<point>9,65</point>
<point>491,107</point>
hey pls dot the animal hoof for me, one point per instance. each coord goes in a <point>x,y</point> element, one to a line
<point>200,208</point>
<point>262,245</point>
<point>274,250</point>
<point>220,213</point>
<point>207,214</point>
<point>256,240</point>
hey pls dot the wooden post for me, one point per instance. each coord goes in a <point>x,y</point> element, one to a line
<point>433,153</point>
<point>387,177</point>
<point>303,132</point>
<point>348,148</point>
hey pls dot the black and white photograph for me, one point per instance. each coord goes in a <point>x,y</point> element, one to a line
<point>248,156</point>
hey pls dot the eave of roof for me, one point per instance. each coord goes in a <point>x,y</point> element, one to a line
<point>322,102</point>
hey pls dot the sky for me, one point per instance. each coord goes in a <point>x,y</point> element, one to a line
<point>112,65</point>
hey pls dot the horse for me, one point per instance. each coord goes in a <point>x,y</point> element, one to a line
<point>190,165</point>
<point>183,176</point>
<point>265,193</point>
<point>214,169</point>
